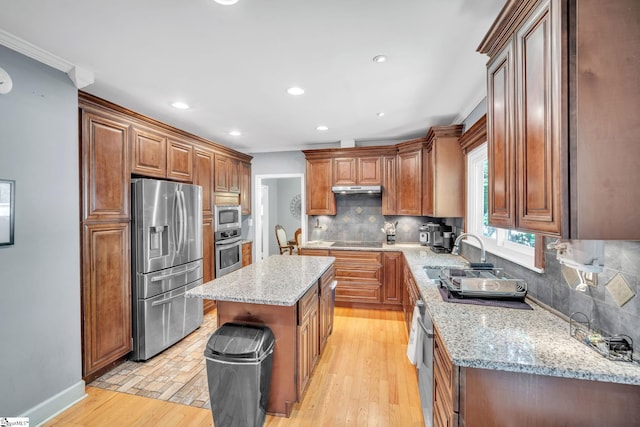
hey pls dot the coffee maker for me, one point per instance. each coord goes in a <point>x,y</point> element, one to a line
<point>430,234</point>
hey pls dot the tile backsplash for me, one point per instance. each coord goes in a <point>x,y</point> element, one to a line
<point>622,262</point>
<point>359,218</point>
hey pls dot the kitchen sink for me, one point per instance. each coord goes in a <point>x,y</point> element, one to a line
<point>485,282</point>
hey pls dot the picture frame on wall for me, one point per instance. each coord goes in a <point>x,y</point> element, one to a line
<point>7,211</point>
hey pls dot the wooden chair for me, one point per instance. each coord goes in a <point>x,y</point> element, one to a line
<point>297,237</point>
<point>284,245</point>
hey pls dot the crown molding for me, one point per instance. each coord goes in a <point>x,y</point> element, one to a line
<point>81,77</point>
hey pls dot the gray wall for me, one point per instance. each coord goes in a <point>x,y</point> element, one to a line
<point>40,274</point>
<point>281,191</point>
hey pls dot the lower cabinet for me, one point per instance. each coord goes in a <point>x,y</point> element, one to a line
<point>410,295</point>
<point>485,397</point>
<point>365,278</point>
<point>247,249</point>
<point>326,306</point>
<point>308,337</point>
<point>208,260</point>
<point>106,296</point>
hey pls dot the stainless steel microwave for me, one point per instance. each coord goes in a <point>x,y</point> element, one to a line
<point>227,217</point>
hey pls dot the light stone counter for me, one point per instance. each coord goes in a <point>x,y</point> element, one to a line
<point>528,341</point>
<point>277,280</point>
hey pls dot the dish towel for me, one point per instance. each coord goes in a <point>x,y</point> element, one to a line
<point>415,341</point>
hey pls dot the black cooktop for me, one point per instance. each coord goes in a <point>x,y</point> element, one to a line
<point>356,244</point>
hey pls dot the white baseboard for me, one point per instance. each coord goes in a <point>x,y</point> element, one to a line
<point>55,405</point>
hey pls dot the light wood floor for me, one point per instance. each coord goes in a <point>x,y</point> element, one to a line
<point>363,378</point>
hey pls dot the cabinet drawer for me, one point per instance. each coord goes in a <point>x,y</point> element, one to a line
<point>357,257</point>
<point>307,303</point>
<point>445,373</point>
<point>358,293</point>
<point>326,280</point>
<point>314,252</point>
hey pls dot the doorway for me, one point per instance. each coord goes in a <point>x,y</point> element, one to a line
<point>280,200</point>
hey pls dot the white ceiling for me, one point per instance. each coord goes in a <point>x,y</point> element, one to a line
<point>233,64</point>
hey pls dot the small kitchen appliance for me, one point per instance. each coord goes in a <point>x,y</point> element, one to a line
<point>430,234</point>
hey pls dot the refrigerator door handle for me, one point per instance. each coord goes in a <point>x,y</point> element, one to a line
<point>185,230</point>
<point>180,222</point>
<point>169,276</point>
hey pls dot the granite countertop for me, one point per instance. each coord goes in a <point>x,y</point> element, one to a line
<point>528,341</point>
<point>277,280</point>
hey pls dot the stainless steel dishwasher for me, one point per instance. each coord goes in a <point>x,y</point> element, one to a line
<point>424,363</point>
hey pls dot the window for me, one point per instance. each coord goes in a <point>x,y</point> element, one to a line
<point>513,245</point>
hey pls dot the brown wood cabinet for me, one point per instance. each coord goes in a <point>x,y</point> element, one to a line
<point>389,186</point>
<point>553,66</point>
<point>106,295</point>
<point>308,337</point>
<point>114,144</point>
<point>409,181</point>
<point>319,176</point>
<point>443,173</point>
<point>245,188</point>
<point>410,295</point>
<point>247,249</point>
<point>392,269</point>
<point>482,397</point>
<point>179,160</point>
<point>326,306</point>
<point>357,170</point>
<point>208,258</point>
<point>359,276</point>
<point>105,166</point>
<point>203,176</point>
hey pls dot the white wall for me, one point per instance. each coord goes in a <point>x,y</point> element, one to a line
<point>40,369</point>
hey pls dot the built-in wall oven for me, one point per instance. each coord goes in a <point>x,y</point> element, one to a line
<point>228,251</point>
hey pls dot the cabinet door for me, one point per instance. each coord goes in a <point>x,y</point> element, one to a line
<point>389,186</point>
<point>392,276</point>
<point>344,171</point>
<point>428,182</point>
<point>221,169</point>
<point>106,294</point>
<point>245,188</point>
<point>410,183</point>
<point>180,161</point>
<point>149,153</point>
<point>247,248</point>
<point>537,150</point>
<point>500,135</point>
<point>320,198</point>
<point>304,356</point>
<point>203,176</point>
<point>208,260</point>
<point>369,171</point>
<point>105,167</point>
<point>234,175</point>
<point>326,307</point>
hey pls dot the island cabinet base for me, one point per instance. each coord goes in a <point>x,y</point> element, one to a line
<point>283,321</point>
<point>492,398</point>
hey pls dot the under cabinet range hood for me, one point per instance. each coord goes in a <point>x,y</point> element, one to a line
<point>357,189</point>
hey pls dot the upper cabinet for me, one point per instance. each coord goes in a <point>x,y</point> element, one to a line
<point>179,160</point>
<point>320,198</point>
<point>389,184</point>
<point>105,166</point>
<point>409,179</point>
<point>562,94</point>
<point>149,153</point>
<point>203,176</point>
<point>245,188</point>
<point>443,173</point>
<point>357,170</point>
<point>227,174</point>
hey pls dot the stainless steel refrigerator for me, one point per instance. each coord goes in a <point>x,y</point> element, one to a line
<point>166,250</point>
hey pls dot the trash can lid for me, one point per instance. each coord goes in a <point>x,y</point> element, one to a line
<point>241,341</point>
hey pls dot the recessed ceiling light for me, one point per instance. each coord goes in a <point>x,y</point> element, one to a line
<point>322,128</point>
<point>380,114</point>
<point>235,133</point>
<point>380,58</point>
<point>226,2</point>
<point>295,91</point>
<point>180,105</point>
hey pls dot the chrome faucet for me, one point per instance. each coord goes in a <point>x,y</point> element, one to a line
<point>456,246</point>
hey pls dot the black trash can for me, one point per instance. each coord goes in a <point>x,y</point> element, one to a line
<point>239,360</point>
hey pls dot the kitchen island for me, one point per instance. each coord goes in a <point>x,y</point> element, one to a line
<point>291,295</point>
